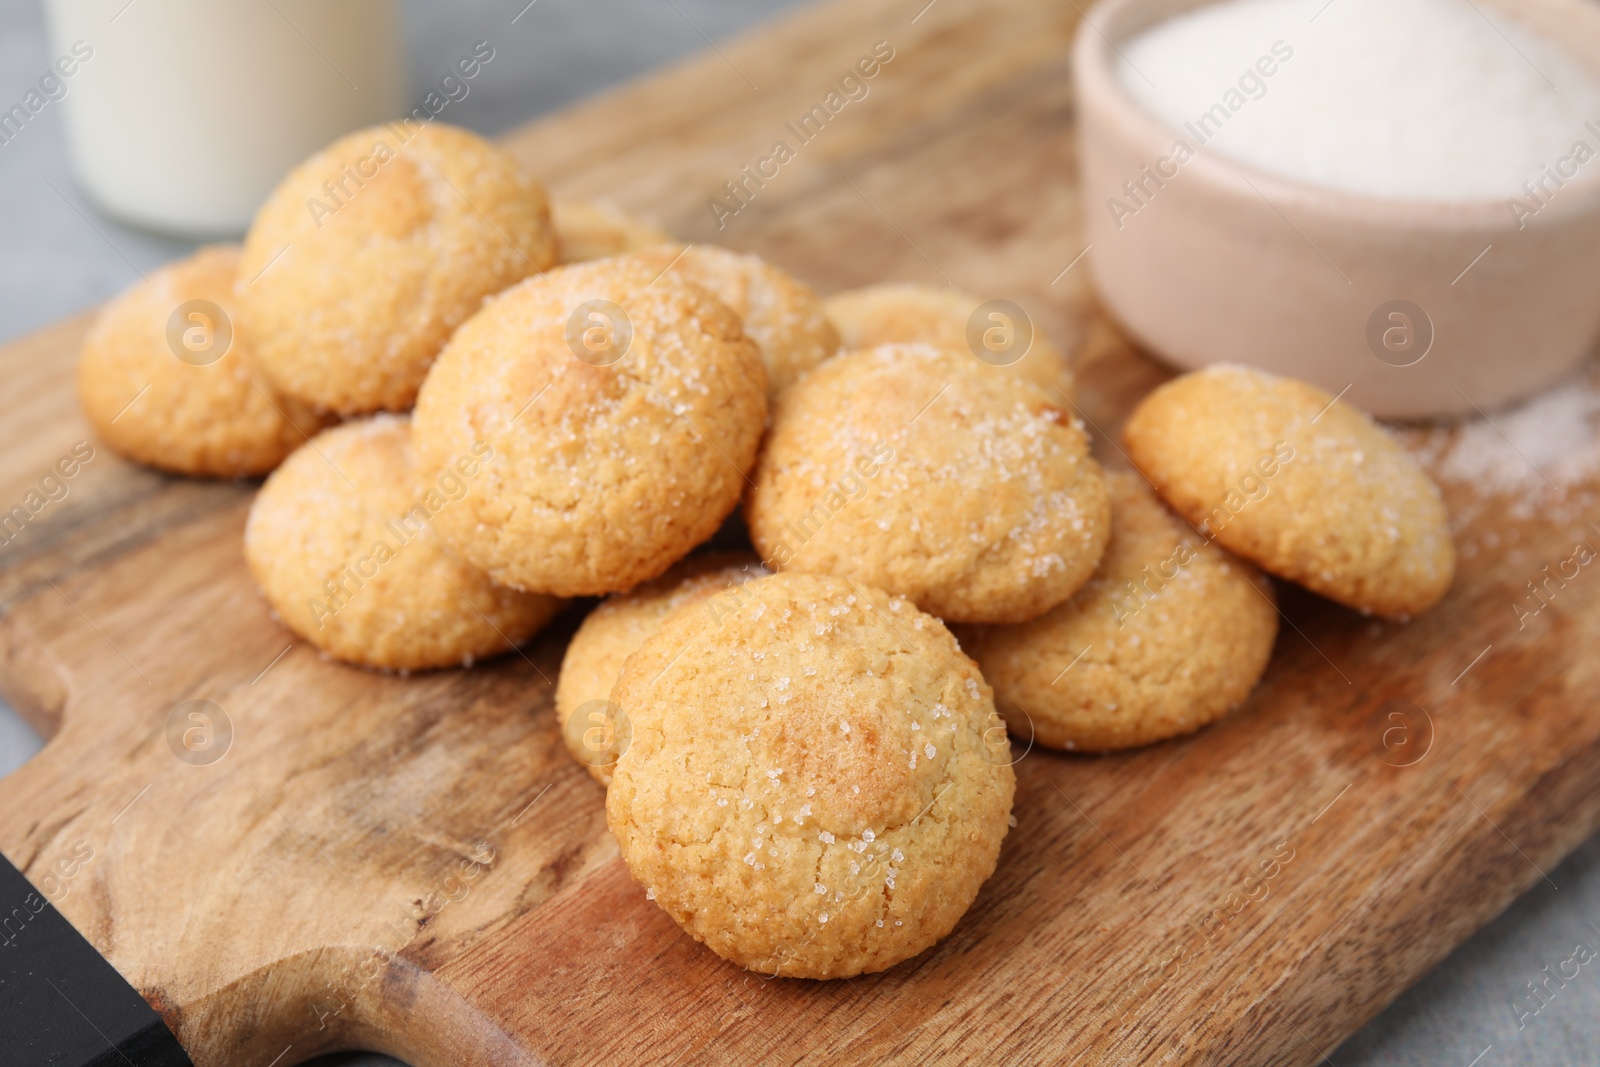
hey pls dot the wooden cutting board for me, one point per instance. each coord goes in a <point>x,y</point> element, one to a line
<point>415,865</point>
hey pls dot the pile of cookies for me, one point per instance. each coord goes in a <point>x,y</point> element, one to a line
<point>802,765</point>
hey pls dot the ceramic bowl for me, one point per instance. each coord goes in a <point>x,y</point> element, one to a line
<point>1416,308</point>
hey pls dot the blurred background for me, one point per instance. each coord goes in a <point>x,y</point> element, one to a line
<point>59,255</point>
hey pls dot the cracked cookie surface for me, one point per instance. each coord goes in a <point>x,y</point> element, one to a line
<point>341,540</point>
<point>205,412</point>
<point>1169,635</point>
<point>367,255</point>
<point>613,466</point>
<point>906,468</point>
<point>781,314</point>
<point>1299,483</point>
<point>614,630</point>
<point>812,789</point>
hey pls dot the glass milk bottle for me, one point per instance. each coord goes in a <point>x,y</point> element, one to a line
<point>181,115</point>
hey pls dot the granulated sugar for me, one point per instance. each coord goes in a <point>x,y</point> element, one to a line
<point>1541,458</point>
<point>1415,99</point>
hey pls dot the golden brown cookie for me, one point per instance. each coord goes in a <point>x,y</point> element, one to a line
<point>909,468</point>
<point>614,631</point>
<point>341,539</point>
<point>903,312</point>
<point>1305,486</point>
<point>1169,635</point>
<point>780,313</point>
<point>165,377</point>
<point>627,408</point>
<point>367,256</point>
<point>808,790</point>
<point>587,231</point>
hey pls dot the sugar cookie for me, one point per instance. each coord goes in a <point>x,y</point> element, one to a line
<point>166,380</point>
<point>627,408</point>
<point>367,256</point>
<point>340,539</point>
<point>1170,634</point>
<point>903,312</point>
<point>780,313</point>
<point>808,789</point>
<point>587,231</point>
<point>1305,486</point>
<point>613,631</point>
<point>908,468</point>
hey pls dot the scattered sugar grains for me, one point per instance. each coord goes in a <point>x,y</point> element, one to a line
<point>841,860</point>
<point>901,467</point>
<point>1539,459</point>
<point>603,478</point>
<point>1416,99</point>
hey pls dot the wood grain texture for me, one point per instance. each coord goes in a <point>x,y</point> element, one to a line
<point>414,865</point>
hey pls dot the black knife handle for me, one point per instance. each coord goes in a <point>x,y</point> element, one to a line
<point>61,1003</point>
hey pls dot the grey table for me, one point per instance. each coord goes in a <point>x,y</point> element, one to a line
<point>58,256</point>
